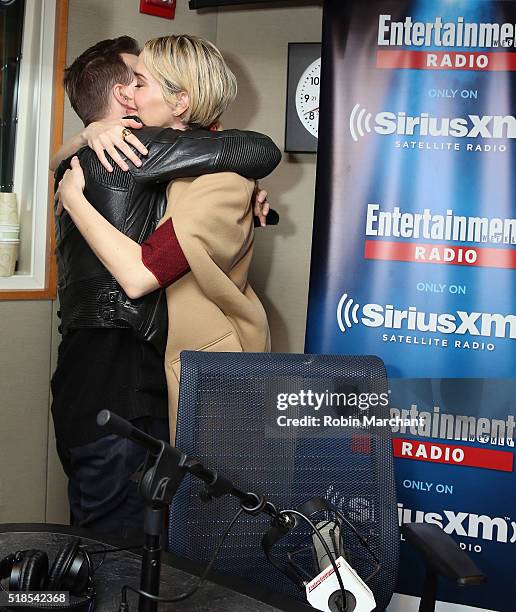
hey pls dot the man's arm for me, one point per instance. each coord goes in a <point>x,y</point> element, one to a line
<point>176,154</point>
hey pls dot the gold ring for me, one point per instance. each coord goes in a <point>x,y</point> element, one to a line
<point>125,133</point>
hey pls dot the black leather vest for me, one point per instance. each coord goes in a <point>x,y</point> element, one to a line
<point>134,202</point>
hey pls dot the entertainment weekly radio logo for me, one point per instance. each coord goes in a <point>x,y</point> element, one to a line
<point>416,235</point>
<point>470,330</point>
<point>444,438</point>
<point>447,35</point>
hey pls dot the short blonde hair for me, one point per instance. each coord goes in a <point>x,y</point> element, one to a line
<point>191,64</point>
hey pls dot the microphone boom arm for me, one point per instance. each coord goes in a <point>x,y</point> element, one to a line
<point>166,466</point>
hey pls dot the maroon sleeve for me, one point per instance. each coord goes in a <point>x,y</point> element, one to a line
<point>163,256</point>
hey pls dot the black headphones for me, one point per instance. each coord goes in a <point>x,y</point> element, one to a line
<point>71,571</point>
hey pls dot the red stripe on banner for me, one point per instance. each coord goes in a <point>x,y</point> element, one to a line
<point>440,254</point>
<point>440,60</point>
<point>453,455</point>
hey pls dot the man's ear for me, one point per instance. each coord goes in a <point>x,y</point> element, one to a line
<point>119,92</point>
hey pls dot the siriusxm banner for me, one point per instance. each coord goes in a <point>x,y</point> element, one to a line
<point>414,256</point>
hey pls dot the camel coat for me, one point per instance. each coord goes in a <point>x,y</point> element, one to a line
<point>213,307</point>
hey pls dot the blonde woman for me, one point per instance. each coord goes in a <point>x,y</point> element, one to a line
<point>181,82</point>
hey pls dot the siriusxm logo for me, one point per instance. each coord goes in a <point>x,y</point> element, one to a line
<point>486,324</point>
<point>473,126</point>
<point>463,524</point>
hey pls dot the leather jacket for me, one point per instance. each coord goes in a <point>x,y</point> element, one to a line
<point>134,202</point>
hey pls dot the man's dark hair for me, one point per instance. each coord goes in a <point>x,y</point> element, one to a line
<point>90,78</point>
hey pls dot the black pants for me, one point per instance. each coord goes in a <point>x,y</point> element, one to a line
<point>100,490</point>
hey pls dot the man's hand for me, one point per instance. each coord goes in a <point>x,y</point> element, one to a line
<point>108,136</point>
<point>260,204</point>
<point>70,185</point>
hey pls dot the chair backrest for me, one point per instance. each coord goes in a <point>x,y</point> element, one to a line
<point>228,411</point>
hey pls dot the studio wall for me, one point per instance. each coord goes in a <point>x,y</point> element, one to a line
<point>255,43</point>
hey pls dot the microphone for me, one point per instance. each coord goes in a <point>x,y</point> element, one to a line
<point>330,533</point>
<point>324,592</point>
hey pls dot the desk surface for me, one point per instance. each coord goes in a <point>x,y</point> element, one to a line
<point>123,567</point>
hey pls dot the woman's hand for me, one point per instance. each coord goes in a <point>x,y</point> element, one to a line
<point>108,136</point>
<point>70,186</point>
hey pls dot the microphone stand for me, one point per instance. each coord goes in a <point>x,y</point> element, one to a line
<point>164,470</point>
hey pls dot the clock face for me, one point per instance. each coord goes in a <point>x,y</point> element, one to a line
<point>307,97</point>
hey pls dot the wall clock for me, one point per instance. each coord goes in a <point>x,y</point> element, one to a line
<point>303,83</point>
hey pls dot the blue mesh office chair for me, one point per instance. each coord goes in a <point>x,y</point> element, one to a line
<point>227,418</point>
